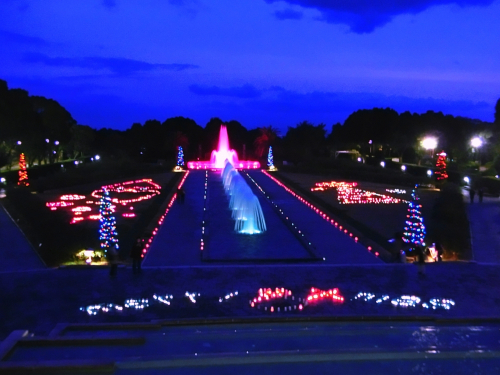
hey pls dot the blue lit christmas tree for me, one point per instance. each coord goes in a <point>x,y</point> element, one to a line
<point>180,157</point>
<point>107,228</point>
<point>414,232</point>
<point>270,159</point>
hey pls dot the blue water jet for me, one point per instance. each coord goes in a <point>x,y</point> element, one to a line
<point>245,206</point>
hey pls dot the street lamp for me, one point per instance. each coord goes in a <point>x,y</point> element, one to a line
<point>429,143</point>
<point>476,143</point>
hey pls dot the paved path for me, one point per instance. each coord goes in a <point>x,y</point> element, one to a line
<point>16,253</point>
<point>330,243</point>
<point>178,239</point>
<point>484,221</point>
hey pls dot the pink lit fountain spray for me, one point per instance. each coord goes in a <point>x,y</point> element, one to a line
<point>223,153</point>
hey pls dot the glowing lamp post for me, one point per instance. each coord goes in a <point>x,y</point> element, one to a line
<point>476,144</point>
<point>429,143</point>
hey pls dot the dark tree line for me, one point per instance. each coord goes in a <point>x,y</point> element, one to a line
<point>39,126</point>
<point>48,133</point>
<point>394,134</point>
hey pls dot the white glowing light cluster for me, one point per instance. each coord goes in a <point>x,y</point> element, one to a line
<point>228,296</point>
<point>406,301</point>
<point>72,197</point>
<point>396,191</point>
<point>134,304</point>
<point>364,296</point>
<point>382,299</point>
<point>348,194</point>
<point>165,300</point>
<point>369,297</point>
<point>192,296</point>
<point>137,304</point>
<point>436,303</point>
<point>105,308</point>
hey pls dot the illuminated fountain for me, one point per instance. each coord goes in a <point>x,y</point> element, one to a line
<point>223,153</point>
<point>245,206</point>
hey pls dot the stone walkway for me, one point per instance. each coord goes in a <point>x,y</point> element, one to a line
<point>16,253</point>
<point>330,243</point>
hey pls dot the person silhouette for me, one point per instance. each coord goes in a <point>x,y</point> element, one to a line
<point>472,193</point>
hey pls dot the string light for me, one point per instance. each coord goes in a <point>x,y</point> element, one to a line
<point>270,160</point>
<point>165,300</point>
<point>192,296</point>
<point>162,218</point>
<point>406,301</point>
<point>23,172</point>
<point>228,296</point>
<point>414,230</point>
<point>180,157</point>
<point>318,295</point>
<point>277,300</point>
<point>364,296</point>
<point>441,173</point>
<point>284,217</point>
<point>436,303</point>
<point>138,304</point>
<point>317,210</point>
<point>348,194</point>
<point>107,228</point>
<point>143,189</point>
<point>71,197</point>
<point>396,191</point>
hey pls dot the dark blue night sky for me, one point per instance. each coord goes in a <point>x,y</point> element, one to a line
<point>262,62</point>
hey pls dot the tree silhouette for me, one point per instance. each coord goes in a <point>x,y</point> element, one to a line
<point>267,135</point>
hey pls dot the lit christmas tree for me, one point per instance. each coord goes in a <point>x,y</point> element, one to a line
<point>270,159</point>
<point>23,173</point>
<point>180,157</point>
<point>441,173</point>
<point>414,232</point>
<point>107,228</point>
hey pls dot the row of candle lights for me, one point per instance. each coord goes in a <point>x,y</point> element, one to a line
<point>280,299</point>
<point>162,218</point>
<point>333,222</point>
<point>79,204</point>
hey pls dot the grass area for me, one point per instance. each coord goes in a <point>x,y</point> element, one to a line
<point>444,214</point>
<point>51,233</point>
